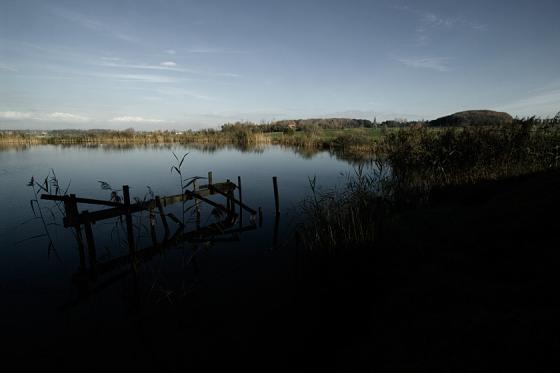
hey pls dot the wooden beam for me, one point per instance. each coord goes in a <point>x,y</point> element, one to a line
<point>253,212</point>
<point>90,201</point>
<point>95,216</point>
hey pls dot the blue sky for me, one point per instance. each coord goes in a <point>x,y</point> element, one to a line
<point>193,64</point>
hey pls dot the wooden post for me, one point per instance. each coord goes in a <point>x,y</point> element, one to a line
<point>162,216</point>
<point>129,227</point>
<point>209,177</point>
<point>90,243</point>
<point>241,201</point>
<point>276,202</point>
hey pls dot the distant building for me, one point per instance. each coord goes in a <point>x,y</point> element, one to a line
<point>292,125</point>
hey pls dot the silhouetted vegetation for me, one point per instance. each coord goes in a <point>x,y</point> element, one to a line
<point>421,160</point>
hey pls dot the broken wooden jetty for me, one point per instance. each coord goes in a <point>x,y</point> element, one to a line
<point>76,219</point>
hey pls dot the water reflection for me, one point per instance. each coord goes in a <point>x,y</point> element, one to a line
<point>355,157</point>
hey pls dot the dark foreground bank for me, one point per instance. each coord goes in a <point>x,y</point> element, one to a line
<point>465,283</point>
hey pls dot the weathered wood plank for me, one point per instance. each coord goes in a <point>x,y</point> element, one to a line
<point>253,212</point>
<point>90,201</point>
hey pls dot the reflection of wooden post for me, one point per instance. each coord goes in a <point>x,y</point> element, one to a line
<point>71,210</point>
<point>240,202</point>
<point>196,206</point>
<point>90,243</point>
<point>153,226</point>
<point>276,202</point>
<point>260,216</point>
<point>129,227</point>
<point>230,198</point>
<point>162,216</point>
<point>275,232</point>
<point>228,201</point>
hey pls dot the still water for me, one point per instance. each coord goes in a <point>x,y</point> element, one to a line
<point>42,303</point>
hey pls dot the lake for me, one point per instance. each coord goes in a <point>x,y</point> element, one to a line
<point>44,301</point>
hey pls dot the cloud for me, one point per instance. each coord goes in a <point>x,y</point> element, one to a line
<point>15,115</point>
<point>183,92</point>
<point>164,66</point>
<point>216,51</point>
<point>168,66</point>
<point>431,22</point>
<point>111,59</point>
<point>136,119</point>
<point>431,63</point>
<point>93,24</point>
<point>141,78</point>
<point>44,117</point>
<point>65,117</point>
<point>170,51</point>
<point>4,67</point>
<point>545,103</point>
<point>227,75</point>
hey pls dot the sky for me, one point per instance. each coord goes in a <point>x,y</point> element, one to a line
<point>199,64</point>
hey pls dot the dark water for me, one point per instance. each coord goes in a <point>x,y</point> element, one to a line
<point>42,305</point>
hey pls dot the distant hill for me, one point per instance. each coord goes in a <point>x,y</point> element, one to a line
<point>473,118</point>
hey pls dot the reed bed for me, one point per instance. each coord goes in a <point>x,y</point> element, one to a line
<point>412,162</point>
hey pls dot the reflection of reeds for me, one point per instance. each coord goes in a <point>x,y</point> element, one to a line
<point>94,137</point>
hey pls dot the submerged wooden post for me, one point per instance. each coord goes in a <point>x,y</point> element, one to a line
<point>240,202</point>
<point>90,243</point>
<point>129,227</point>
<point>276,202</point>
<point>162,216</point>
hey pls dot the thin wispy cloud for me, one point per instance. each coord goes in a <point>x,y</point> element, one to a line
<point>112,59</point>
<point>431,63</point>
<point>544,102</point>
<point>4,67</point>
<point>144,78</point>
<point>179,92</point>
<point>170,51</point>
<point>168,66</point>
<point>430,23</point>
<point>44,117</point>
<point>93,24</point>
<point>216,51</point>
<point>164,66</point>
<point>136,119</point>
